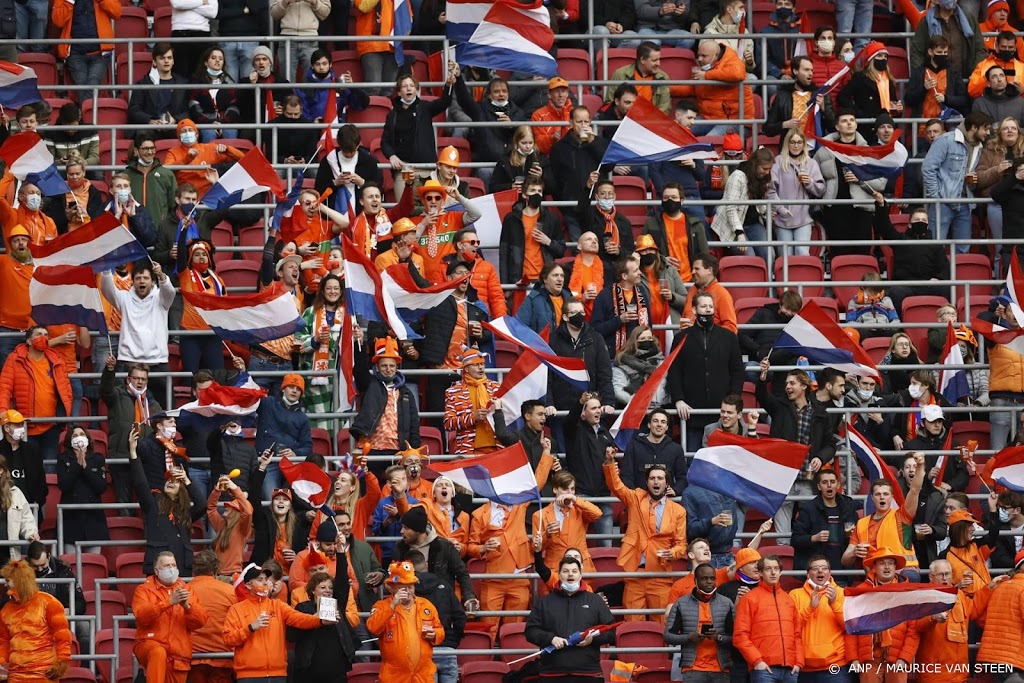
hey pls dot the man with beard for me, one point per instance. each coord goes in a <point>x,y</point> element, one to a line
<point>789,108</point>
<point>484,277</point>
<point>701,623</point>
<point>820,526</point>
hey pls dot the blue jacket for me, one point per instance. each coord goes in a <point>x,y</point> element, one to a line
<point>701,505</point>
<point>381,526</point>
<point>283,427</point>
<point>536,311</point>
<point>314,100</point>
<point>945,166</point>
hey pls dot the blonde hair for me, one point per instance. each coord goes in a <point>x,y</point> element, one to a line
<point>348,504</point>
<point>516,157</point>
<point>785,157</point>
<point>995,144</point>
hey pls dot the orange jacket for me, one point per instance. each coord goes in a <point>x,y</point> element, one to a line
<point>945,642</point>
<point>824,632</point>
<point>207,155</point>
<point>41,227</point>
<point>376,18</point>
<point>573,533</point>
<point>972,557</point>
<point>977,83</point>
<point>361,516</point>
<point>15,305</point>
<point>216,597</point>
<point>18,390</point>
<point>725,311</point>
<point>546,136</point>
<point>262,654</point>
<point>231,557</point>
<point>33,637</point>
<point>988,26</point>
<point>485,281</point>
<point>641,540</point>
<point>169,625</point>
<point>406,655</point>
<point>441,522</point>
<point>721,101</point>
<point>904,640</point>
<point>1004,625</point>
<point>768,629</point>
<point>106,12</point>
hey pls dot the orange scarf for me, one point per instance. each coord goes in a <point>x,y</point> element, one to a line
<point>171,451</point>
<point>481,399</point>
<point>611,228</point>
<point>321,352</point>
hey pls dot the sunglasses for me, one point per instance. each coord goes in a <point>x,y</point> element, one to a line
<point>471,242</point>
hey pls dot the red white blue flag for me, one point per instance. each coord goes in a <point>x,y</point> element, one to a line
<point>813,334</point>
<point>218,404</point>
<point>526,380</point>
<point>308,482</point>
<point>18,85</point>
<point>635,412</point>
<point>1011,337</point>
<point>513,35</point>
<point>29,161</point>
<point>647,135</point>
<point>250,176</point>
<point>102,244</point>
<point>1006,468</point>
<point>66,294</point>
<point>510,328</point>
<point>869,162</point>
<point>249,318</point>
<point>872,609</point>
<point>874,467</point>
<point>504,476</point>
<point>952,382</point>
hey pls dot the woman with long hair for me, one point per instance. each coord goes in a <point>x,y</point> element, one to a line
<point>325,654</point>
<point>345,496</point>
<point>197,272</point>
<point>901,352</point>
<point>872,90</point>
<point>737,222</point>
<point>21,521</point>
<point>83,203</point>
<point>523,160</point>
<point>213,101</point>
<point>319,343</point>
<point>279,533</point>
<point>82,479</point>
<point>168,513</point>
<point>639,358</point>
<point>233,527</point>
<point>795,175</point>
<point>996,163</point>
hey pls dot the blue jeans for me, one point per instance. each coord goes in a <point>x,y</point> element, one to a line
<point>48,443</point>
<point>719,560</point>
<point>238,59</point>
<point>721,129</point>
<point>995,226</point>
<point>854,16</point>
<point>8,344</point>
<point>756,232</point>
<point>210,134</point>
<point>1001,422</point>
<point>299,53</point>
<point>447,665</point>
<point>87,70</point>
<point>801,234</point>
<point>101,348</point>
<point>273,480</point>
<point>31,24</point>
<point>76,397</point>
<point>776,674</point>
<point>824,676</point>
<point>261,364</point>
<point>953,222</point>
<point>201,353</point>
<point>626,39</point>
<point>663,38</point>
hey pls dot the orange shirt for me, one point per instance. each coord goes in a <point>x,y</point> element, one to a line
<point>436,243</point>
<point>685,585</point>
<point>556,303</point>
<point>385,437</point>
<point>582,276</point>
<point>533,258</point>
<point>192,281</point>
<point>69,352</point>
<point>678,239</point>
<point>15,307</point>
<point>217,597</point>
<point>44,396</point>
<point>390,258</point>
<point>658,306</point>
<point>460,338</point>
<point>707,650</point>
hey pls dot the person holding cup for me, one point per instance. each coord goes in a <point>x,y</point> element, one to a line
<point>408,628</point>
<point>623,305</point>
<point>794,176</point>
<point>525,160</point>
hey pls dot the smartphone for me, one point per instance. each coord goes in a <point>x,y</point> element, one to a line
<point>706,629</point>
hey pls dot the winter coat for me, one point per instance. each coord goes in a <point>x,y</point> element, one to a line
<point>830,172</point>
<point>1001,642</point>
<point>701,505</point>
<point>299,18</point>
<point>121,414</point>
<point>262,654</point>
<point>204,107</point>
<point>408,131</point>
<point>317,650</point>
<point>153,457</point>
<point>106,13</point>
<point>731,218</point>
<point>785,421</point>
<point>660,96</point>
<point>154,189</point>
<point>373,395</point>
<point>768,628</point>
<point>21,521</point>
<point>1009,194</point>
<point>589,346</point>
<point>172,98</point>
<point>630,372</point>
<point>449,611</point>
<point>82,485</point>
<point>243,18</point>
<point>684,619</point>
<point>812,517</point>
<point>584,458</point>
<point>229,453</point>
<point>505,173</point>
<point>439,326</point>
<point>572,162</point>
<point>912,261</point>
<point>288,427</point>
<point>161,532</point>
<point>314,100</point>
<point>860,94</point>
<point>170,626</point>
<point>720,101</point>
<point>708,368</point>
<point>972,51</point>
<point>930,512</point>
<point>512,249</point>
<point>696,243</point>
<point>18,389</point>
<point>26,468</point>
<point>443,561</point>
<point>641,453</point>
<point>489,144</point>
<point>782,109</point>
<point>560,614</point>
<point>537,311</point>
<point>785,184</point>
<point>62,591</point>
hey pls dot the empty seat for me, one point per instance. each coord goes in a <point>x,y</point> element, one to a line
<point>239,276</point>
<point>642,634</point>
<point>630,189</point>
<point>45,66</point>
<point>617,57</point>
<point>376,111</point>
<point>431,438</point>
<point>574,65</point>
<point>477,640</point>
<point>484,672</point>
<point>739,269</point>
<point>105,111</point>
<point>133,23</point>
<point>876,348</point>
<point>801,269</point>
<point>343,61</point>
<point>129,566</point>
<point>921,309</point>
<point>94,566</point>
<point>111,604</point>
<point>513,637</point>
<point>972,430</point>
<point>967,309</point>
<point>971,267</point>
<point>104,645</point>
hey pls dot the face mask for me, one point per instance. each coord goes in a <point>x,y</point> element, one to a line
<point>233,431</point>
<point>289,402</point>
<point>188,139</point>
<point>168,432</point>
<point>1006,55</point>
<point>704,320</point>
<point>18,433</point>
<point>498,105</point>
<point>76,183</point>
<point>123,196</point>
<point>577,319</point>
<point>707,595</point>
<point>745,579</point>
<point>784,13</point>
<point>408,102</point>
<point>848,57</point>
<point>201,267</point>
<point>186,209</point>
<point>525,152</point>
<point>143,162</point>
<point>706,67</point>
<point>941,61</point>
<point>880,64</point>
<point>865,394</point>
<point>919,228</point>
<point>34,201</point>
<point>826,45</point>
<point>534,200</point>
<point>570,588</point>
<point>738,16</point>
<point>42,571</point>
<point>333,264</point>
<point>647,346</point>
<point>214,72</point>
<point>647,260</point>
<point>979,531</point>
<point>167,576</point>
<point>606,204</point>
<point>671,206</point>
<point>263,73</point>
<point>80,443</point>
<point>1004,515</point>
<point>914,390</point>
<point>40,343</point>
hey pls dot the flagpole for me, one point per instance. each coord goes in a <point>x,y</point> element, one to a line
<point>110,344</point>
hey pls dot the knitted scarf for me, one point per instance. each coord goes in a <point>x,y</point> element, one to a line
<point>321,352</point>
<point>611,229</point>
<point>481,399</point>
<point>141,404</point>
<point>619,302</point>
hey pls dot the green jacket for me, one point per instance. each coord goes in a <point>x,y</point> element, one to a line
<point>154,190</point>
<point>660,94</point>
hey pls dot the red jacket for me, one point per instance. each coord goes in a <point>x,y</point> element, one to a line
<point>768,628</point>
<point>17,390</point>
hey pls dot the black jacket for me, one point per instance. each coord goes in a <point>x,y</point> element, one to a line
<point>56,208</point>
<point>902,399</point>
<point>861,95</point>
<point>505,173</point>
<point>121,413</point>
<point>591,348</point>
<point>243,18</point>
<point>163,534</point>
<point>878,433</point>
<point>231,452</point>
<point>929,511</point>
<point>373,395</point>
<point>444,562</point>
<point>167,235</point>
<point>449,611</point>
<point>319,652</point>
<point>408,131</point>
<point>812,517</point>
<point>697,240</point>
<point>923,262</point>
<point>620,11</point>
<point>439,325</point>
<point>83,485</point>
<point>291,142</point>
<point>1005,551</point>
<point>956,96</point>
<point>152,455</point>
<point>641,453</point>
<point>956,474</point>
<point>512,249</point>
<point>489,144</point>
<point>366,168</point>
<point>171,98</point>
<point>572,162</point>
<point>62,591</point>
<point>560,614</point>
<point>784,423</point>
<point>708,368</point>
<point>26,467</point>
<point>264,526</point>
<point>1009,193</point>
<point>585,459</point>
<point>782,108</point>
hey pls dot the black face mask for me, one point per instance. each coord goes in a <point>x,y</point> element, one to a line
<point>880,64</point>
<point>671,206</point>
<point>940,61</point>
<point>647,346</point>
<point>704,320</point>
<point>919,229</point>
<point>647,260</point>
<point>534,200</point>
<point>1006,55</point>
<point>577,320</point>
<point>784,13</point>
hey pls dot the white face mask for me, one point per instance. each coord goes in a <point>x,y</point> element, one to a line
<point>18,433</point>
<point>168,432</point>
<point>706,67</point>
<point>865,394</point>
<point>233,431</point>
<point>738,17</point>
<point>606,204</point>
<point>80,442</point>
<point>167,576</point>
<point>914,390</point>
<point>408,102</point>
<point>33,202</point>
<point>570,588</point>
<point>826,45</point>
<point>143,162</point>
<point>848,57</point>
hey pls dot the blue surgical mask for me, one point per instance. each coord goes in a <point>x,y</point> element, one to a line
<point>123,196</point>
<point>606,204</point>
<point>188,139</point>
<point>706,67</point>
<point>214,72</point>
<point>1004,515</point>
<point>570,588</point>
<point>34,201</point>
<point>865,394</point>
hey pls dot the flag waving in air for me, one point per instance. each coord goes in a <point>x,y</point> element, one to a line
<point>867,162</point>
<point>309,482</point>
<point>813,334</point>
<point>647,135</point>
<point>874,467</point>
<point>512,35</point>
<point>249,318</point>
<point>953,381</point>
<point>102,244</point>
<point>66,294</point>
<point>18,85</point>
<point>1011,337</point>
<point>633,415</point>
<point>504,476</point>
<point>1006,469</point>
<point>510,328</point>
<point>250,176</point>
<point>218,404</point>
<point>29,161</point>
<point>526,380</point>
<point>872,609</point>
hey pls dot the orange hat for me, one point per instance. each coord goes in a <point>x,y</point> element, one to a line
<point>557,82</point>
<point>731,142</point>
<point>401,574</point>
<point>196,246</point>
<point>293,381</point>
<point>287,493</point>
<point>960,516</point>
<point>883,553</point>
<point>386,347</point>
<point>185,123</point>
<point>409,451</point>
<point>745,556</point>
<point>874,48</point>
<point>402,226</point>
<point>996,5</point>
<point>644,242</point>
<point>18,231</point>
<point>964,334</point>
<point>449,156</point>
<point>853,334</point>
<point>9,416</point>
<point>471,355</point>
<point>432,185</point>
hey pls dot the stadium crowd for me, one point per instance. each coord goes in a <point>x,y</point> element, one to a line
<point>400,571</point>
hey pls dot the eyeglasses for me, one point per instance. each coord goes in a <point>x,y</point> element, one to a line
<point>147,149</point>
<point>472,243</point>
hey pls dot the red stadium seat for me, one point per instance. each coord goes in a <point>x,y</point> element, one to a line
<point>876,348</point>
<point>604,561</point>
<point>376,111</point>
<point>347,61</point>
<point>574,65</point>
<point>104,645</point>
<point>677,62</point>
<point>112,604</point>
<point>105,111</point>
<point>617,57</point>
<point>133,23</point>
<point>747,306</point>
<point>129,566</point>
<point>45,66</point>
<point>921,309</point>
<point>827,304</point>
<point>630,188</point>
<point>477,640</point>
<point>976,430</point>
<point>968,309</point>
<point>162,22</point>
<point>321,441</point>
<point>94,566</point>
<point>78,674</point>
<point>739,269</point>
<point>971,267</point>
<point>642,634</point>
<point>802,269</point>
<point>484,672</point>
<point>850,268</point>
<point>899,65</point>
<point>512,636</point>
<point>431,438</point>
<point>239,275</point>
<point>123,529</point>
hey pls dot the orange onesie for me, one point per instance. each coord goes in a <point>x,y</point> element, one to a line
<point>407,657</point>
<point>34,636</point>
<point>217,598</point>
<point>163,640</point>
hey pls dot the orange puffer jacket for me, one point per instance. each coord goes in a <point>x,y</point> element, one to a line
<point>106,11</point>
<point>768,628</point>
<point>1004,625</point>
<point>721,101</point>
<point>169,625</point>
<point>262,654</point>
<point>17,390</point>
<point>34,636</point>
